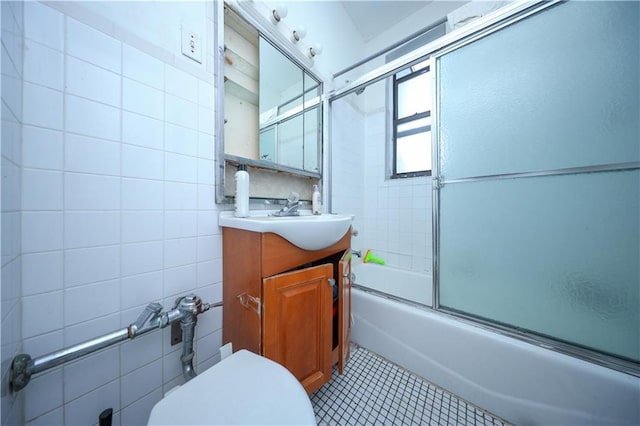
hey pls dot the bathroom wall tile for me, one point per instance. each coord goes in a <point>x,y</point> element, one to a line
<point>208,363</point>
<point>180,140</point>
<point>179,281</point>
<point>91,192</point>
<point>50,314</point>
<point>54,417</point>
<point>139,290</point>
<point>91,118</point>
<point>85,410</point>
<point>211,320</point>
<point>206,146</point>
<point>41,190</point>
<point>41,148</point>
<point>49,384</point>
<point>44,343</point>
<point>35,55</point>
<point>208,346</point>
<point>93,46</point>
<point>179,83</point>
<point>206,95</point>
<point>89,81</point>
<point>44,25</point>
<point>90,229</point>
<point>180,196</point>
<point>209,272</point>
<point>181,168</point>
<point>42,272</point>
<point>82,266</point>
<point>178,252</point>
<point>86,302</point>
<point>209,247</point>
<point>41,231</point>
<point>180,224</point>
<point>141,67</point>
<point>141,382</point>
<point>143,99</point>
<point>142,162</point>
<point>42,106</point>
<point>13,100</point>
<point>206,120</point>
<point>87,330</point>
<point>140,351</point>
<point>172,368</point>
<point>142,194</point>
<point>91,155</point>
<point>138,412</point>
<point>90,373</point>
<point>208,223</point>
<point>138,226</point>
<point>142,130</point>
<point>212,293</point>
<point>181,112</point>
<point>206,170</point>
<point>206,197</point>
<point>141,257</point>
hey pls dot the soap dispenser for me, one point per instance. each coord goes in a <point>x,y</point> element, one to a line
<point>242,191</point>
<point>316,200</point>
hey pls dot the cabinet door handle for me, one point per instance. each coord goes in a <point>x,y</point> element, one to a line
<point>331,282</point>
<point>250,302</point>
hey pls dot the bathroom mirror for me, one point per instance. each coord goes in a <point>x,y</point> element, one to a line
<point>272,109</point>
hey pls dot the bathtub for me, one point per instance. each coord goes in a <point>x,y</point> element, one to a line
<point>402,283</point>
<point>518,381</point>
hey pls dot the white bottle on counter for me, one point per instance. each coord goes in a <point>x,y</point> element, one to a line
<point>242,191</point>
<point>316,200</point>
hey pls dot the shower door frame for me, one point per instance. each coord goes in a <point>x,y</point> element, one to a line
<point>481,28</point>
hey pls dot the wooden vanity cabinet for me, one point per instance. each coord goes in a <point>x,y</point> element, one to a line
<point>279,302</point>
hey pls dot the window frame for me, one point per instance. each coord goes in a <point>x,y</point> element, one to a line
<point>396,122</point>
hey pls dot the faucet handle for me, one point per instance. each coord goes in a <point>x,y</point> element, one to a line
<point>293,197</point>
<point>149,312</point>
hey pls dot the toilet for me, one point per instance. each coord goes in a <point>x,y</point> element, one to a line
<point>243,388</point>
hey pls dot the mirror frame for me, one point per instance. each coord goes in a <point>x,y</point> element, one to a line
<point>278,41</point>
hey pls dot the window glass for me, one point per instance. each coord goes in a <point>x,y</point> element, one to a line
<point>413,153</point>
<point>414,95</point>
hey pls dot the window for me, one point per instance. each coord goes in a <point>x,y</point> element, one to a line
<point>409,111</point>
<point>412,122</point>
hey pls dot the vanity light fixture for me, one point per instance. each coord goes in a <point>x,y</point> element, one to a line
<point>298,33</point>
<point>315,50</point>
<point>280,12</point>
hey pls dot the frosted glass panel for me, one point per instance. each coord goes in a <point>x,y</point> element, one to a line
<point>557,255</point>
<point>558,89</point>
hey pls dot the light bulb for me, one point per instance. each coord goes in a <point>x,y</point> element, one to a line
<point>280,12</point>
<point>315,50</point>
<point>299,33</point>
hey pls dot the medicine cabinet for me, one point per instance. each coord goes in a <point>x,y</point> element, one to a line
<point>272,114</point>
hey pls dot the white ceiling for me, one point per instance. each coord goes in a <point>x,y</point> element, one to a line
<point>371,17</point>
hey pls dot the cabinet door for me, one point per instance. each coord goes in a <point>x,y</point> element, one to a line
<point>296,323</point>
<point>344,309</point>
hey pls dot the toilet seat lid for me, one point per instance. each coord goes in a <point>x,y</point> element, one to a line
<point>243,388</point>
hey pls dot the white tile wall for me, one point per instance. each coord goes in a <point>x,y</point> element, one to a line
<point>117,211</point>
<point>393,217</point>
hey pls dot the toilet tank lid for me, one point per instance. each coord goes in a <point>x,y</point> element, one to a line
<point>244,388</point>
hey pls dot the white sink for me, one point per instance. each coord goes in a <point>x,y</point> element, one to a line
<point>307,231</point>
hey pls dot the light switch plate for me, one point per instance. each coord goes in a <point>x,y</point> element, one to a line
<point>191,45</point>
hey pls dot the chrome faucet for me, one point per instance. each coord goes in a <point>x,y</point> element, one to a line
<point>291,208</point>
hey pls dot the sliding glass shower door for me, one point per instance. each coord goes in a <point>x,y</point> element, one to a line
<point>539,177</point>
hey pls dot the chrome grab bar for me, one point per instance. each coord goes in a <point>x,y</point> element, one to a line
<point>152,318</point>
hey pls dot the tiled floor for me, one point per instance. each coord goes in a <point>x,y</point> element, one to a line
<point>372,390</point>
